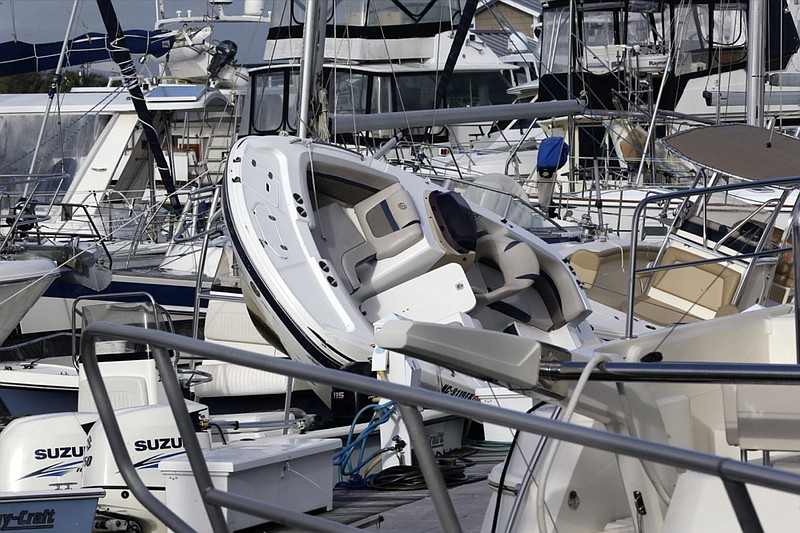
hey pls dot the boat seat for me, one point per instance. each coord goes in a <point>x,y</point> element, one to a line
<point>783,282</point>
<point>389,220</point>
<point>516,261</point>
<point>782,289</point>
<point>390,224</point>
<point>129,384</point>
<point>604,273</point>
<point>690,293</point>
<point>344,244</point>
<point>123,391</point>
<point>762,417</point>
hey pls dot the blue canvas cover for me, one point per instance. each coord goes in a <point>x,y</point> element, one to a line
<point>553,154</point>
<point>20,57</point>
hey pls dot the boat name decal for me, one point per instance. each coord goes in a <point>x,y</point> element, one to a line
<point>158,444</point>
<point>458,393</point>
<point>61,452</point>
<point>26,519</point>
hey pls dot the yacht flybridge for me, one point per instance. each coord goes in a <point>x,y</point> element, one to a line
<point>373,58</point>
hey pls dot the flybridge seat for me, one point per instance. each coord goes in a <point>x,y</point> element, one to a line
<point>690,293</point>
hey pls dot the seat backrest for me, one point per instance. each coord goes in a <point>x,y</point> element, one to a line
<point>389,220</point>
<point>762,417</point>
<point>516,261</point>
<point>710,286</point>
<point>129,384</point>
<point>344,245</point>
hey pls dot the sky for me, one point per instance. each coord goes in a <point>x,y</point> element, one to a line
<point>38,21</point>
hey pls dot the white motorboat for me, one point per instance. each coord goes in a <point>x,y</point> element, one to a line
<point>330,243</point>
<point>66,452</point>
<point>734,254</point>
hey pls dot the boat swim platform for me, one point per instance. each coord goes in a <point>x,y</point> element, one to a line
<point>396,511</point>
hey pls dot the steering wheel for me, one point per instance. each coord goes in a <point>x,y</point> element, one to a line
<point>190,377</point>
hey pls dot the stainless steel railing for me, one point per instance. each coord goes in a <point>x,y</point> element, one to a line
<point>733,473</point>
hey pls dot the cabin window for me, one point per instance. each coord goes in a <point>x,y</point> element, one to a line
<point>598,29</point>
<point>65,146</point>
<point>555,42</point>
<point>350,93</point>
<point>729,28</point>
<point>415,92</point>
<point>274,106</point>
<point>474,89</point>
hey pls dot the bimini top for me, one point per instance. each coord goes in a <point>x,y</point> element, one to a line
<point>741,151</point>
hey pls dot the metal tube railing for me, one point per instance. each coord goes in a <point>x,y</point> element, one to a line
<point>666,197</point>
<point>733,472</point>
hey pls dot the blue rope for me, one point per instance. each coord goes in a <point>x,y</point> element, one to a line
<point>349,475</point>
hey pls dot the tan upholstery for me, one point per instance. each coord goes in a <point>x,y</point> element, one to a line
<point>604,273</point>
<point>686,294</point>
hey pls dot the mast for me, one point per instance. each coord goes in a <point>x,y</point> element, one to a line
<point>313,39</point>
<point>756,22</point>
<point>121,55</point>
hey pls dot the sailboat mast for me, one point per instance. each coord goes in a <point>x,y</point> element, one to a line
<point>313,37</point>
<point>756,22</point>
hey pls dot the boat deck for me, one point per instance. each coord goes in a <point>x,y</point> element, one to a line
<point>396,511</point>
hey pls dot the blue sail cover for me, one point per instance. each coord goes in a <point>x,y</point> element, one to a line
<point>553,153</point>
<point>20,57</point>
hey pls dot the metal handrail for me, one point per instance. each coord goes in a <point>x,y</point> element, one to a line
<point>666,197</point>
<point>733,473</point>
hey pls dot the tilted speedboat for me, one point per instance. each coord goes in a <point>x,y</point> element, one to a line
<point>330,243</point>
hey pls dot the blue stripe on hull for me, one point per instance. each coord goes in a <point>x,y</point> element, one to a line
<point>164,294</point>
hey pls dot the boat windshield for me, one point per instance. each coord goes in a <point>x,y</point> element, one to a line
<point>351,92</point>
<point>736,219</point>
<point>64,149</point>
<point>607,34</point>
<point>366,13</point>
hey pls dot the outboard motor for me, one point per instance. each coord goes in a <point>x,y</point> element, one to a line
<point>224,53</point>
<point>151,436</point>
<point>44,452</point>
<point>553,154</point>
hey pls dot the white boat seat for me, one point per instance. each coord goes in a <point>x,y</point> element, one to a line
<point>123,391</point>
<point>345,245</point>
<point>516,261</point>
<point>389,220</point>
<point>129,384</point>
<point>762,417</point>
<point>390,224</point>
